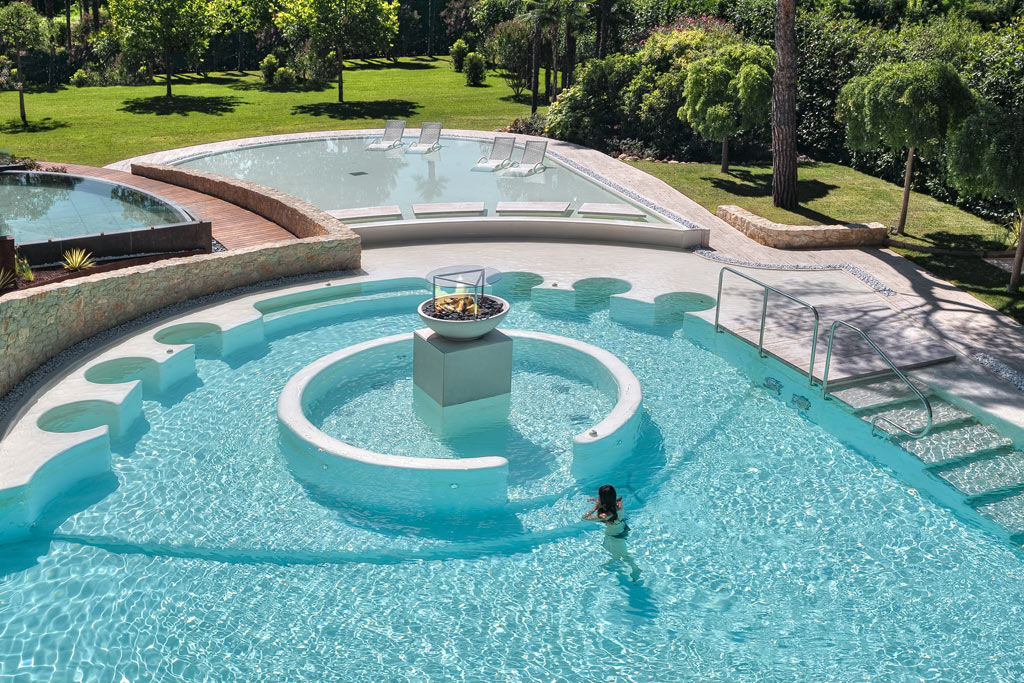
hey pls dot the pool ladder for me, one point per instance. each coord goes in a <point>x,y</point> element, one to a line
<point>838,324</point>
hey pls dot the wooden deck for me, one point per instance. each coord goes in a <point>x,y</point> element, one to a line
<point>787,337</point>
<point>233,226</point>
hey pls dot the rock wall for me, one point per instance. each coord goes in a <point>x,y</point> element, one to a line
<point>37,324</point>
<point>300,218</point>
<point>783,236</point>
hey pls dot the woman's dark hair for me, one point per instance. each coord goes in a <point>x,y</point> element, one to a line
<point>607,503</point>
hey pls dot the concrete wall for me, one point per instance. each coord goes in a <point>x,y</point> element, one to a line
<point>38,323</point>
<point>783,236</point>
<point>300,218</point>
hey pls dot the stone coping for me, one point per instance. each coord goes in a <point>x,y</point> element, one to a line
<point>781,236</point>
<point>298,217</point>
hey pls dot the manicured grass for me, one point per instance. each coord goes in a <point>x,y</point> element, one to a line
<point>99,125</point>
<point>830,193</point>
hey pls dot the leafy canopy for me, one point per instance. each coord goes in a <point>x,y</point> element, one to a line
<point>986,154</point>
<point>343,26</point>
<point>149,27</point>
<point>913,104</point>
<point>728,91</point>
<point>21,28</point>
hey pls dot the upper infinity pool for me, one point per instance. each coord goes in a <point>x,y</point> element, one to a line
<point>36,207</point>
<point>340,173</point>
<point>769,549</point>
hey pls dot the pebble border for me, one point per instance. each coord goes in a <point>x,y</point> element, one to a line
<point>868,279</point>
<point>1000,369</point>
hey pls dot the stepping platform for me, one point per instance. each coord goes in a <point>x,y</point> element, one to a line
<point>368,213</point>
<point>612,210</point>
<point>532,208</point>
<point>788,337</point>
<point>449,209</point>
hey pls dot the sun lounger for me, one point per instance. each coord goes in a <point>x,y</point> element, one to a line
<point>500,156</point>
<point>392,137</point>
<point>430,139</point>
<point>533,158</point>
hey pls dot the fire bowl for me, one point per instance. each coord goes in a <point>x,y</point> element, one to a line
<point>463,330</point>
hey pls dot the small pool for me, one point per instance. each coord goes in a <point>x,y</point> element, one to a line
<point>339,173</point>
<point>36,207</point>
<point>770,550</point>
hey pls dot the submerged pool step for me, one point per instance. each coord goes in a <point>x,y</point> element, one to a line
<point>877,394</point>
<point>1000,471</point>
<point>955,443</point>
<point>1007,513</point>
<point>911,415</point>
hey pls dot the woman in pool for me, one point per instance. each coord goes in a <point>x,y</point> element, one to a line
<point>608,510</point>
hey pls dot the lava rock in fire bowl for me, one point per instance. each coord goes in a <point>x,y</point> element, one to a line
<point>457,317</point>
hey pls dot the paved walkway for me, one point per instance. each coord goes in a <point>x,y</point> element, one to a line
<point>232,226</point>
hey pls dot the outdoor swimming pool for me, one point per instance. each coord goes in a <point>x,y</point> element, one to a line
<point>768,548</point>
<point>36,207</point>
<point>340,173</point>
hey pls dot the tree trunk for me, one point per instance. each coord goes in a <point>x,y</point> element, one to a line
<point>67,21</point>
<point>430,28</point>
<point>570,55</point>
<point>784,108</point>
<point>535,68</point>
<point>95,15</point>
<point>604,19</point>
<point>1018,257</point>
<point>169,66</point>
<point>53,48</point>
<point>547,84</point>
<point>21,87</point>
<point>341,76</point>
<point>554,62</point>
<point>906,191</point>
<point>725,155</point>
<point>239,63</point>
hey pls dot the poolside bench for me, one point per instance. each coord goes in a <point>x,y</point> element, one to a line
<point>532,208</point>
<point>593,209</point>
<point>449,209</point>
<point>367,213</point>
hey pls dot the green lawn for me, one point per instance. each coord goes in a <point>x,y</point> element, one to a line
<point>99,125</point>
<point>830,193</point>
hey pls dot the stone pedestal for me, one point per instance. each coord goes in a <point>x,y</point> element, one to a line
<point>456,372</point>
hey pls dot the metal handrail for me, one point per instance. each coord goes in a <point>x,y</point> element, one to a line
<point>764,314</point>
<point>878,418</point>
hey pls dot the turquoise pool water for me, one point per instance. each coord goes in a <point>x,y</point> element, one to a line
<point>769,550</point>
<point>35,207</point>
<point>340,173</point>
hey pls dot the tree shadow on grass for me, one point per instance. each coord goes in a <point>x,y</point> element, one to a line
<point>964,242</point>
<point>40,126</point>
<point>522,98</point>
<point>370,109</point>
<point>377,64</point>
<point>298,87</point>
<point>182,105</point>
<point>745,183</point>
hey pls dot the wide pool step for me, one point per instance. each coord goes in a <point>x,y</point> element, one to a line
<point>1001,470</point>
<point>954,443</point>
<point>912,415</point>
<point>877,394</point>
<point>1007,513</point>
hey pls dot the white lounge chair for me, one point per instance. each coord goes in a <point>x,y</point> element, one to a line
<point>500,156</point>
<point>430,139</point>
<point>533,158</point>
<point>393,130</point>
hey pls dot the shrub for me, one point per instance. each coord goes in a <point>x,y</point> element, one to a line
<point>285,77</point>
<point>268,67</point>
<point>81,78</point>
<point>509,48</point>
<point>78,259</point>
<point>534,124</point>
<point>22,268</point>
<point>459,51</point>
<point>7,279</point>
<point>476,69</point>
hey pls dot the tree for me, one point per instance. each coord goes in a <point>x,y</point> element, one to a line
<point>576,16</point>
<point>986,155</point>
<point>509,47</point>
<point>164,27</point>
<point>540,15</point>
<point>784,108</point>
<point>21,29</point>
<point>912,106</point>
<point>727,92</point>
<point>344,27</point>
<point>241,17</point>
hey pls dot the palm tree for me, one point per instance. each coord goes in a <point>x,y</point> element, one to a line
<point>784,108</point>
<point>575,13</point>
<point>541,14</point>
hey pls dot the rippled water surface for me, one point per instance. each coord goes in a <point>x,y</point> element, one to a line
<point>768,550</point>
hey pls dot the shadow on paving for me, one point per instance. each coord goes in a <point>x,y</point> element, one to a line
<point>369,109</point>
<point>182,105</point>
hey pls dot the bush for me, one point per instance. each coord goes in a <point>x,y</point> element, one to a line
<point>476,69</point>
<point>81,78</point>
<point>509,48</point>
<point>459,52</point>
<point>268,67</point>
<point>534,124</point>
<point>285,77</point>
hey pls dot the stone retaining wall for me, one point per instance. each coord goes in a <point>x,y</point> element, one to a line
<point>37,324</point>
<point>783,236</point>
<point>300,218</point>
